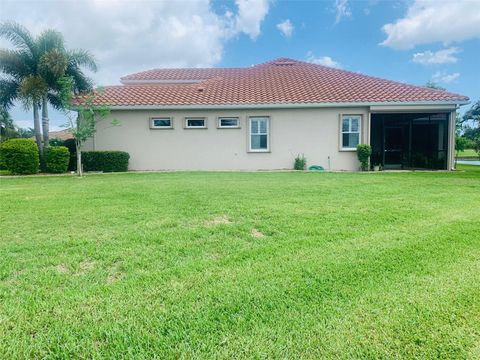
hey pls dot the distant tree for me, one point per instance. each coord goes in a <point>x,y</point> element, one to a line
<point>433,85</point>
<point>473,114</point>
<point>7,128</point>
<point>460,145</point>
<point>26,133</point>
<point>471,125</point>
<point>471,133</point>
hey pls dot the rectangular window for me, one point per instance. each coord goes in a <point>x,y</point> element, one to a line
<point>228,122</point>
<point>259,134</point>
<point>161,123</point>
<point>195,123</point>
<point>351,131</point>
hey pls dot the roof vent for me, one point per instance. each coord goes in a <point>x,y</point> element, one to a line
<point>284,63</point>
<point>201,88</point>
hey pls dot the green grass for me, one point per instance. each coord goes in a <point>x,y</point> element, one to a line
<point>468,153</point>
<point>350,265</point>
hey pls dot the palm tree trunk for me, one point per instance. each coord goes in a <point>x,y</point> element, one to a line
<point>36,127</point>
<point>45,121</point>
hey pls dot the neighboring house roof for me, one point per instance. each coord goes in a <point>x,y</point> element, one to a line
<point>281,81</point>
<point>61,134</point>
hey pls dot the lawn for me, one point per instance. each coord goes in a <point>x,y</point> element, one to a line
<point>241,265</point>
<point>468,153</point>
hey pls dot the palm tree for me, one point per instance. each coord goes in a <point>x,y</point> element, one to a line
<point>56,62</point>
<point>33,69</point>
<point>20,69</point>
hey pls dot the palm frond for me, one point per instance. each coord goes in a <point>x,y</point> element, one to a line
<point>52,65</point>
<point>82,58</point>
<point>82,83</point>
<point>16,63</point>
<point>55,101</point>
<point>8,92</point>
<point>19,36</point>
<point>31,90</point>
<point>50,39</point>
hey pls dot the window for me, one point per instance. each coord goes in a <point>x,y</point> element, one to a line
<point>195,123</point>
<point>161,123</point>
<point>259,134</point>
<point>228,122</point>
<point>351,130</point>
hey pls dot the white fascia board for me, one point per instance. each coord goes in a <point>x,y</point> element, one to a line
<point>387,108</point>
<point>287,105</point>
<point>143,82</point>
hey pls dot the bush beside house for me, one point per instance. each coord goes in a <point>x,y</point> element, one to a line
<point>363,153</point>
<point>106,161</point>
<point>20,156</point>
<point>57,159</point>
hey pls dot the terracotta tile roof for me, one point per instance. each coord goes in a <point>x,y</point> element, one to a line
<point>60,134</point>
<point>281,81</point>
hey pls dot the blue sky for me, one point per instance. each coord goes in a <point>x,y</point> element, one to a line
<point>410,41</point>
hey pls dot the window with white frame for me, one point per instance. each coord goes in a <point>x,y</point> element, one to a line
<point>259,134</point>
<point>351,131</point>
<point>161,123</point>
<point>228,122</point>
<point>195,123</point>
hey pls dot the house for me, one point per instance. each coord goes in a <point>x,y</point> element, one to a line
<point>261,117</point>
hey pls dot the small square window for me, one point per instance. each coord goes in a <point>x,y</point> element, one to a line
<point>228,122</point>
<point>195,123</point>
<point>161,123</point>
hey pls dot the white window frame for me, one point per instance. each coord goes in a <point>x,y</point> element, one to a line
<point>359,132</point>
<point>152,123</point>
<point>196,118</point>
<point>220,126</point>
<point>267,118</point>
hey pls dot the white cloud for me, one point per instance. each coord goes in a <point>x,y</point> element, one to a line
<point>430,21</point>
<point>444,56</point>
<point>323,60</point>
<point>444,78</point>
<point>342,10</point>
<point>250,15</point>
<point>286,28</point>
<point>129,36</point>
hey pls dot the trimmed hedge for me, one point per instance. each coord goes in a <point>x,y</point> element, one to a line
<point>57,158</point>
<point>106,161</point>
<point>20,156</point>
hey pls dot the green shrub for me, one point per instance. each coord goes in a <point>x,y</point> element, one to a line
<point>57,158</point>
<point>300,162</point>
<point>2,162</point>
<point>20,156</point>
<point>106,161</point>
<point>363,153</point>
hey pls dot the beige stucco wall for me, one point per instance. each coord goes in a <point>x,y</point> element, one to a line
<point>313,132</point>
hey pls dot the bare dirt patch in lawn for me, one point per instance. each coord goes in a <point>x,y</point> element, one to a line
<point>218,221</point>
<point>87,265</point>
<point>62,269</point>
<point>256,233</point>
